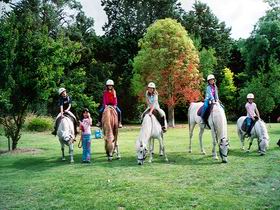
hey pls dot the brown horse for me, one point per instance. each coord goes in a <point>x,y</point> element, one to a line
<point>110,130</point>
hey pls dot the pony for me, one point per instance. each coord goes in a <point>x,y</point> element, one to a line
<point>110,130</point>
<point>258,131</point>
<point>218,124</point>
<point>66,136</point>
<point>150,130</point>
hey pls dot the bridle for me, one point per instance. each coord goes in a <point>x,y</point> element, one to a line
<point>221,154</point>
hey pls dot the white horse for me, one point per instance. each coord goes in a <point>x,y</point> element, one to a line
<point>258,131</point>
<point>150,130</point>
<point>66,136</point>
<point>218,123</point>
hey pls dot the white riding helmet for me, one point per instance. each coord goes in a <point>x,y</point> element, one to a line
<point>250,95</point>
<point>210,76</point>
<point>61,90</point>
<point>109,82</point>
<point>151,85</point>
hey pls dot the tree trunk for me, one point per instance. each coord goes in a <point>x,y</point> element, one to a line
<point>171,120</point>
<point>9,144</point>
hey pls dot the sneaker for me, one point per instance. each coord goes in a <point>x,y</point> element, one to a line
<point>120,125</point>
<point>98,124</point>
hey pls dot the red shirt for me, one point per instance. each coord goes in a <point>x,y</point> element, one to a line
<point>109,98</point>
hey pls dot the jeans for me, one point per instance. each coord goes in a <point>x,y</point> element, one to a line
<point>86,142</point>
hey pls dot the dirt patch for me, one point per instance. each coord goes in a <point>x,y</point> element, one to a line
<point>31,151</point>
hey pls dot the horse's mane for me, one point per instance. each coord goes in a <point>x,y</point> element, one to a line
<point>263,128</point>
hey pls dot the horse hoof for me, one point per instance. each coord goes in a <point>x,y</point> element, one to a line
<point>247,151</point>
<point>242,148</point>
<point>224,161</point>
<point>262,154</point>
<point>110,159</point>
<point>166,160</point>
<point>118,158</point>
<point>216,158</point>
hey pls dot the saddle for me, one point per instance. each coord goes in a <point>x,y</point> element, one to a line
<point>244,126</point>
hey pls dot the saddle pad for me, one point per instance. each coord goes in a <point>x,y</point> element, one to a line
<point>199,111</point>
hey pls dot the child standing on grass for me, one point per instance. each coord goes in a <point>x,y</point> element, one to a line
<point>85,126</point>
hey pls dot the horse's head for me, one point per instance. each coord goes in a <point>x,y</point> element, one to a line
<point>263,138</point>
<point>224,149</point>
<point>141,154</point>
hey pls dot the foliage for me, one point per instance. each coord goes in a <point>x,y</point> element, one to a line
<point>31,62</point>
<point>208,61</point>
<point>188,181</point>
<point>228,91</point>
<point>169,58</point>
<point>201,23</point>
<point>40,124</point>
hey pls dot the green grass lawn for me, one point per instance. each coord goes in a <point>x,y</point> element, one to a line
<point>40,180</point>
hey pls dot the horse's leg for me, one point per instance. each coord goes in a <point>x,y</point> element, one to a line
<point>117,150</point>
<point>163,148</point>
<point>201,130</point>
<point>191,127</point>
<point>109,150</point>
<point>241,137</point>
<point>250,144</point>
<point>151,149</point>
<point>71,148</point>
<point>214,142</point>
<point>62,150</point>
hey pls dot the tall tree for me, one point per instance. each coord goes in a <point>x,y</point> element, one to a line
<point>127,22</point>
<point>169,58</point>
<point>32,63</point>
<point>202,24</point>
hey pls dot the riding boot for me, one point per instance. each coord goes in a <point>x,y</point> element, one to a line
<point>162,123</point>
<point>75,127</point>
<point>56,126</point>
<point>98,124</point>
<point>119,119</point>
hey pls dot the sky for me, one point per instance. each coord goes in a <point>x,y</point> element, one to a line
<point>240,15</point>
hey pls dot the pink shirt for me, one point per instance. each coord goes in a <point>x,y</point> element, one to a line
<point>85,125</point>
<point>251,109</point>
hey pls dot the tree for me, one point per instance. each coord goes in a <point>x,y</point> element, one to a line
<point>31,64</point>
<point>169,58</point>
<point>261,52</point>
<point>228,91</point>
<point>202,24</point>
<point>208,61</point>
<point>127,22</point>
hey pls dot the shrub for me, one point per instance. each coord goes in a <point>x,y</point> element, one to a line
<point>40,124</point>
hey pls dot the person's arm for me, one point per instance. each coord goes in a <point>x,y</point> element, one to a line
<point>90,119</point>
<point>257,112</point>
<point>209,95</point>
<point>115,98</point>
<point>61,106</point>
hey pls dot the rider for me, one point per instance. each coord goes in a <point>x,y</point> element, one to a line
<point>64,105</point>
<point>152,102</point>
<point>252,113</point>
<point>110,98</point>
<point>211,96</point>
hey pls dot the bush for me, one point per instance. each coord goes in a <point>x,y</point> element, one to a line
<point>39,124</point>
